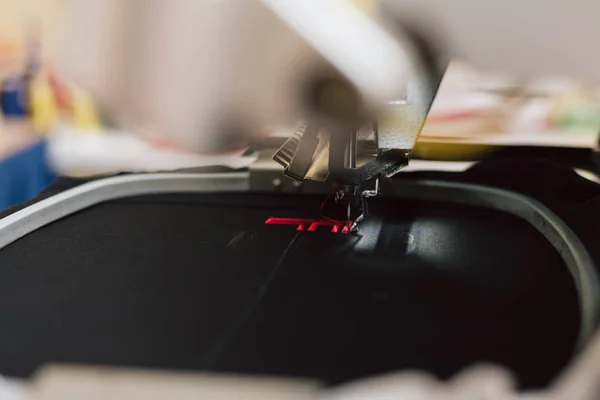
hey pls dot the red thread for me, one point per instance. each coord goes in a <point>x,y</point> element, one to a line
<point>313,224</point>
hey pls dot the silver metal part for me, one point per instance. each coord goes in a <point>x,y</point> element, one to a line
<point>297,152</point>
<point>364,205</point>
<point>352,154</point>
<point>264,171</point>
<point>351,150</point>
<point>70,201</point>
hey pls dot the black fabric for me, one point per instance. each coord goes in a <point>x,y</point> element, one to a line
<point>199,282</point>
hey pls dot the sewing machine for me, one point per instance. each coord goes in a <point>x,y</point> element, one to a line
<point>360,78</point>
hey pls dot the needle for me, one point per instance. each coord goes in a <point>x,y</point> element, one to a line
<point>349,215</point>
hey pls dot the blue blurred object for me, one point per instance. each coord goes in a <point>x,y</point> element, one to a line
<point>24,174</point>
<point>13,97</point>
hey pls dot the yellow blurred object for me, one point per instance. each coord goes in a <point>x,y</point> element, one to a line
<point>370,7</point>
<point>83,111</point>
<point>44,111</point>
<point>456,151</point>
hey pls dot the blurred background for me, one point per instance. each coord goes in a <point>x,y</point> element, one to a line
<point>50,127</point>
